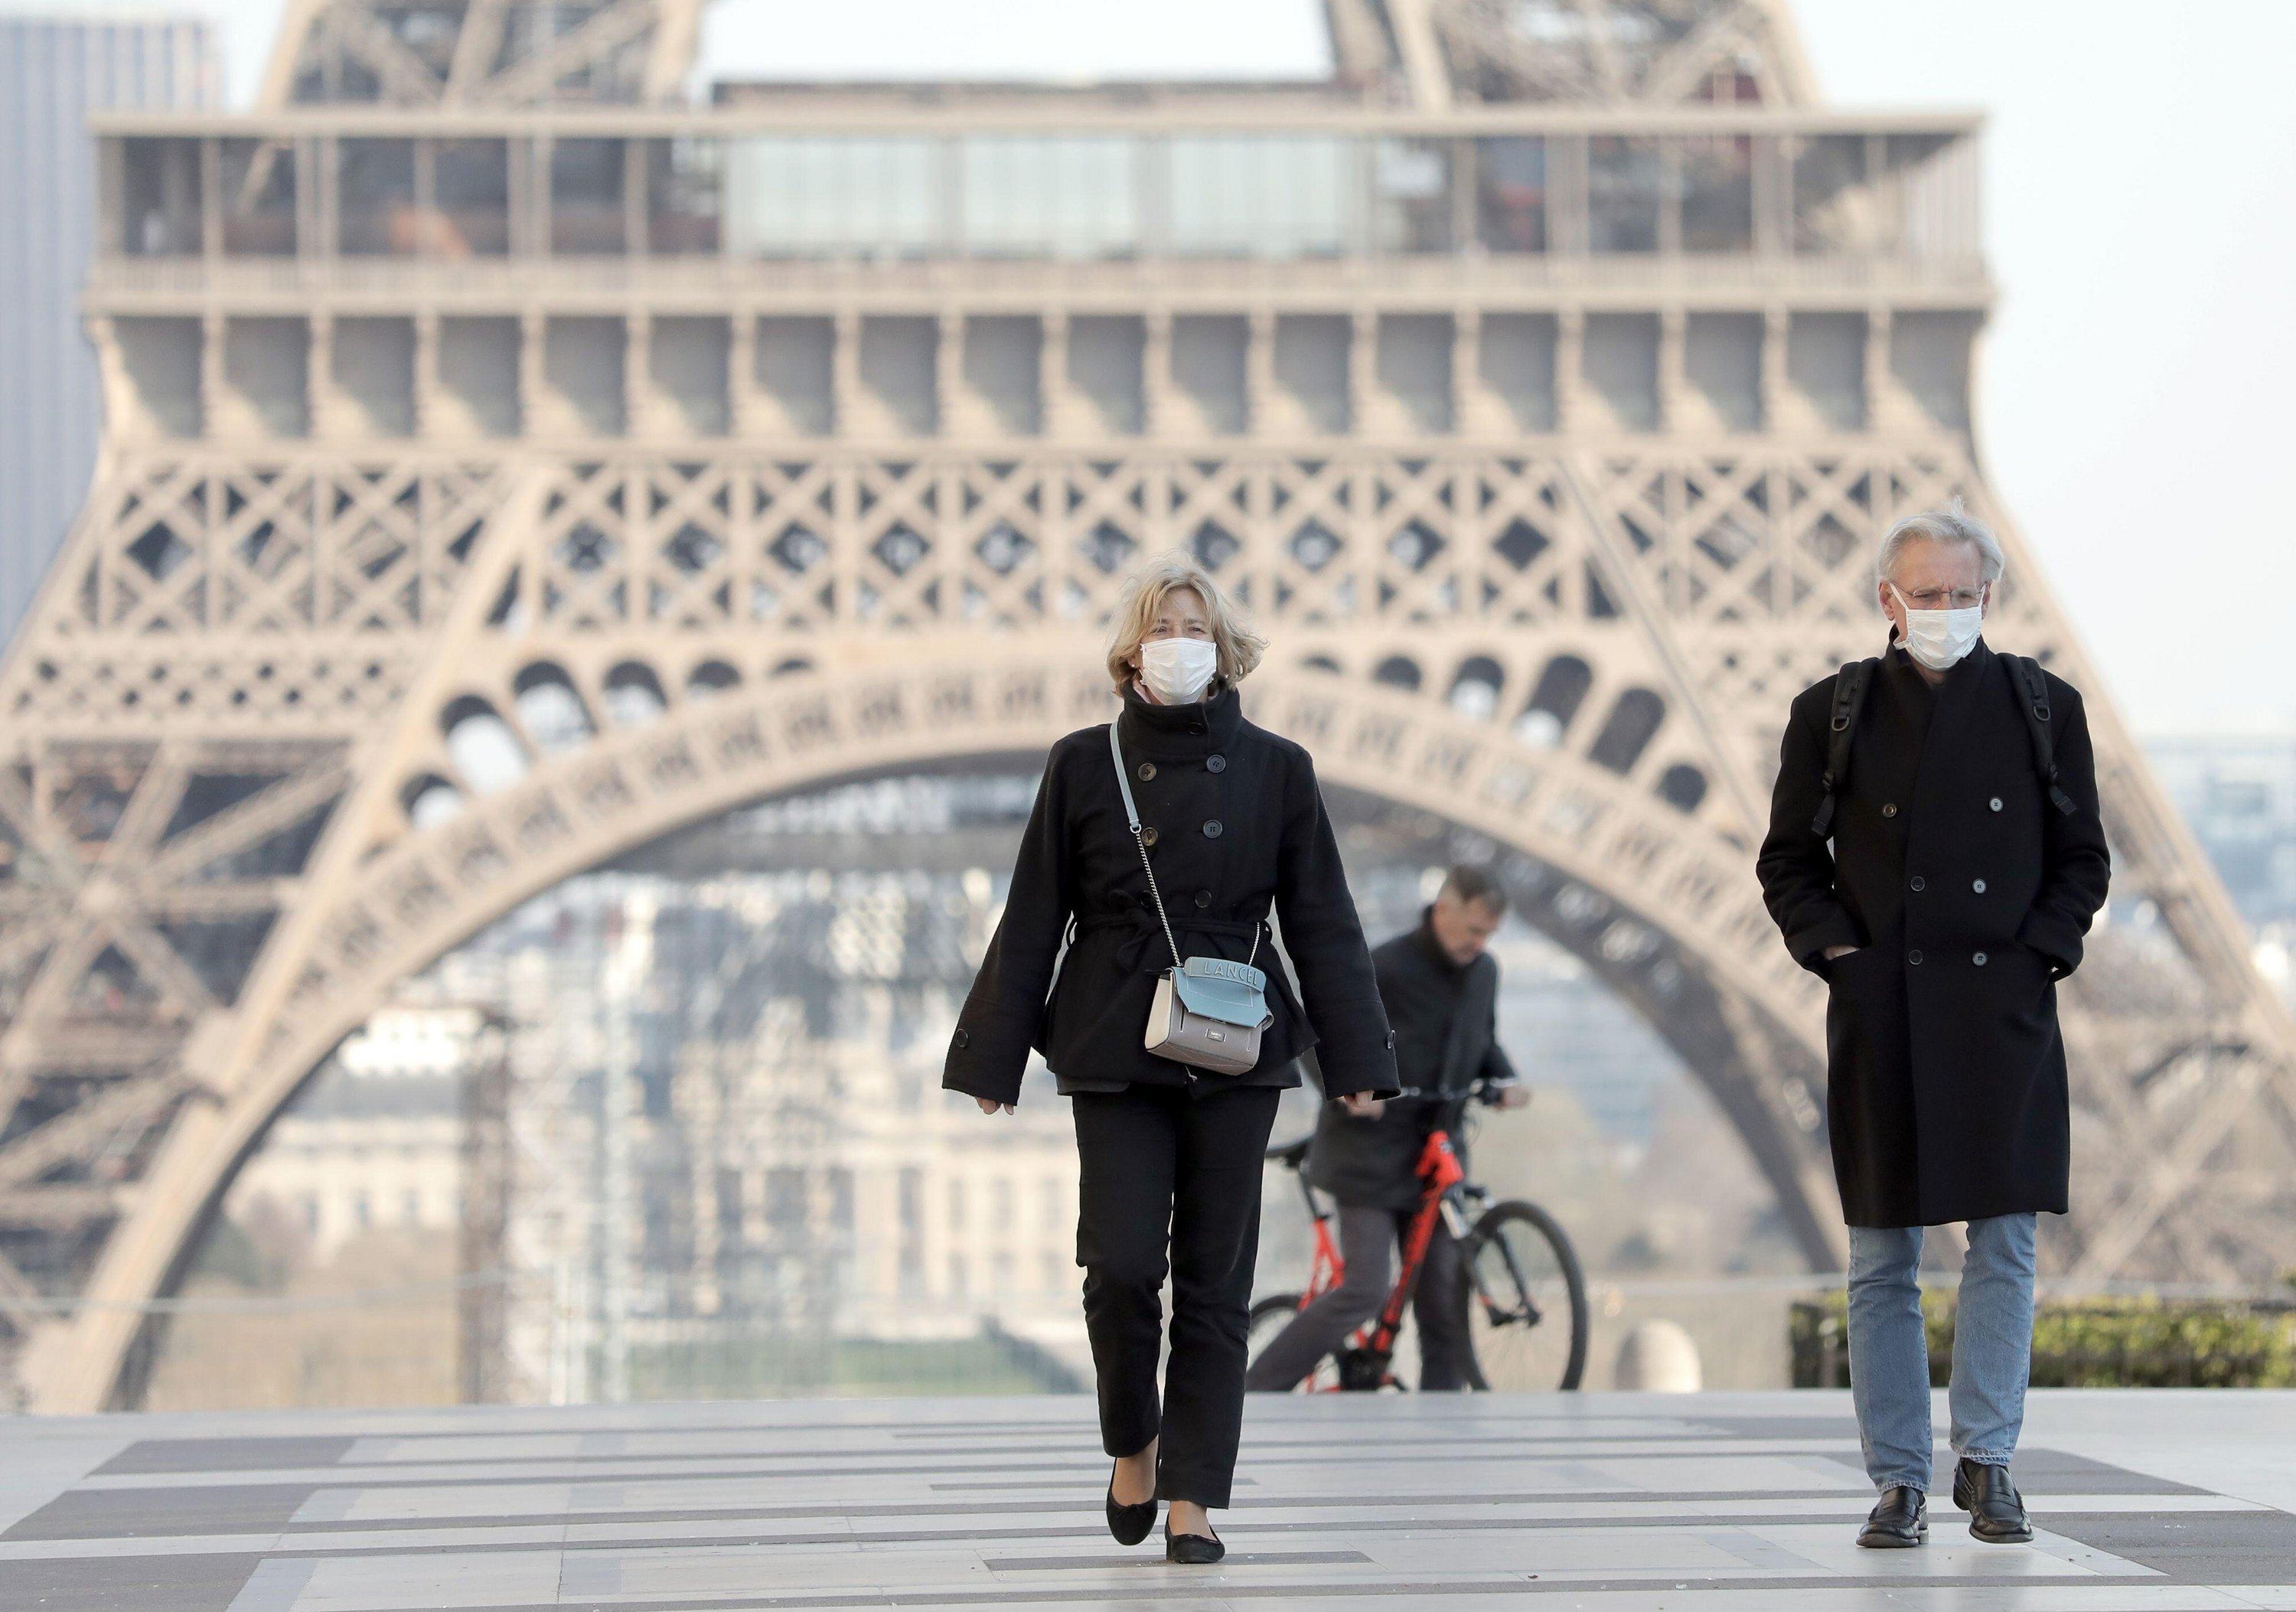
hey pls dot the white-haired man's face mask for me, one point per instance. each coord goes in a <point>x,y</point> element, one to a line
<point>1936,598</point>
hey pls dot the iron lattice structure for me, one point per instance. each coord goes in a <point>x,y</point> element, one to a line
<point>505,472</point>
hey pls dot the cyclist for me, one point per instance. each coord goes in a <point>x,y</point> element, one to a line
<point>1440,987</point>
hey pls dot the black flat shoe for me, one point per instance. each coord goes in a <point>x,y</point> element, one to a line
<point>1130,1524</point>
<point>1900,1521</point>
<point>1997,1511</point>
<point>1192,1549</point>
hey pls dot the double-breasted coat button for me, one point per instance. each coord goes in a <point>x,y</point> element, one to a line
<point>1918,884</point>
<point>1147,771</point>
<point>1915,958</point>
<point>1195,727</point>
<point>1978,886</point>
<point>1889,809</point>
<point>962,1035</point>
<point>1218,763</point>
<point>1148,835</point>
<point>1978,960</point>
<point>1995,803</point>
<point>1212,829</point>
<point>1203,899</point>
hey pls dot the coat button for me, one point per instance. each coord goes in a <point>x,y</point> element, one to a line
<point>1918,884</point>
<point>962,1035</point>
<point>1212,829</point>
<point>1148,835</point>
<point>1390,1040</point>
<point>1218,763</point>
<point>1204,900</point>
<point>1195,727</point>
<point>1995,802</point>
<point>1147,771</point>
<point>1915,958</point>
<point>1978,886</point>
<point>1978,960</point>
<point>1889,809</point>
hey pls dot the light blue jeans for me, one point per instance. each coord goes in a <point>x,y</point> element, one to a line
<point>1890,1352</point>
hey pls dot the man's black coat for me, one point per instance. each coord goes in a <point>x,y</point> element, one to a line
<point>1238,827</point>
<point>1967,895</point>
<point>1446,1020</point>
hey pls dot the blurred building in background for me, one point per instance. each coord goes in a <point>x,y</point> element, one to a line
<point>2239,793</point>
<point>55,71</point>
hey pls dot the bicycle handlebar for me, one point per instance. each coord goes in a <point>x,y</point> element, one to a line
<point>1482,1090</point>
<point>1292,1154</point>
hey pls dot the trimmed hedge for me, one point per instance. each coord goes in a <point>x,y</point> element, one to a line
<point>2089,1343</point>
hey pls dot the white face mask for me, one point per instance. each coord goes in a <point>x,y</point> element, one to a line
<point>1177,669</point>
<point>1939,638</point>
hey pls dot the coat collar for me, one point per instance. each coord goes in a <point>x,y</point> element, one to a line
<point>1960,677</point>
<point>1424,937</point>
<point>1181,730</point>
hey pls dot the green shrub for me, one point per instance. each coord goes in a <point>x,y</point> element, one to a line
<point>2089,1343</point>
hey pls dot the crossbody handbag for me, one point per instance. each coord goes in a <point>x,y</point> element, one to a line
<point>1209,1012</point>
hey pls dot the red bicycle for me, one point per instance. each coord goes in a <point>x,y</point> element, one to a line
<point>1520,1285</point>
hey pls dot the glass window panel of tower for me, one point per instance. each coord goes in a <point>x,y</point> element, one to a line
<point>832,196</point>
<point>375,193</point>
<point>1511,194</point>
<point>1411,195</point>
<point>1718,193</point>
<point>683,184</point>
<point>1625,182</point>
<point>587,180</point>
<point>1058,196</point>
<point>1934,181</point>
<point>471,180</point>
<point>258,197</point>
<point>1263,196</point>
<point>1833,206</point>
<point>159,197</point>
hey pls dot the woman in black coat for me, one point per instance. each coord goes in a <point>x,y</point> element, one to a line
<point>1171,1156</point>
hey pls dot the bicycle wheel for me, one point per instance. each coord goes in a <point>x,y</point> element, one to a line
<point>1526,1302</point>
<point>1269,1317</point>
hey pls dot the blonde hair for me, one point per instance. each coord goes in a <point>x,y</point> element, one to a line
<point>1240,647</point>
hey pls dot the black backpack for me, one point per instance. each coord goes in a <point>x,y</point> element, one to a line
<point>1850,694</point>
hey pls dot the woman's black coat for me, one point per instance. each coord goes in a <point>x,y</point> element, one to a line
<point>1445,1021</point>
<point>1967,895</point>
<point>1238,827</point>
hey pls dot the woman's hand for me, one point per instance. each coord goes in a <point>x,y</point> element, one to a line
<point>1363,1105</point>
<point>990,1105</point>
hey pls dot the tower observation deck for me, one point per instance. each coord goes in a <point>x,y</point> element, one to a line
<point>1543,379</point>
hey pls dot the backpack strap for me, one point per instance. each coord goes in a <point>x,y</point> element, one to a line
<point>1849,694</point>
<point>2033,691</point>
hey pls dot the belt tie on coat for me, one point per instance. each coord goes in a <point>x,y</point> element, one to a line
<point>1135,954</point>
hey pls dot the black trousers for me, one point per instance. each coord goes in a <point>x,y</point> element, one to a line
<point>1171,1181</point>
<point>1370,1241</point>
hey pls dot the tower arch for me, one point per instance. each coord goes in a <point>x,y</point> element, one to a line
<point>1587,406</point>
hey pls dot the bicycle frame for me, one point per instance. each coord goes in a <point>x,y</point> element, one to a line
<point>1441,1184</point>
<point>1439,1173</point>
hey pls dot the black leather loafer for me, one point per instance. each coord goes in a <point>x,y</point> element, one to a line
<point>1192,1549</point>
<point>1900,1521</point>
<point>1997,1511</point>
<point>1130,1524</point>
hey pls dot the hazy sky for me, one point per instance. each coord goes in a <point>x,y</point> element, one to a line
<point>2140,375</point>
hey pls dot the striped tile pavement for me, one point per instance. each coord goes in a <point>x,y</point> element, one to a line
<point>2145,1502</point>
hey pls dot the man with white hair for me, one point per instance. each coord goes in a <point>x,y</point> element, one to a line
<point>1935,855</point>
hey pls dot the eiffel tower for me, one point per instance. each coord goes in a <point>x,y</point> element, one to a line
<point>510,463</point>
